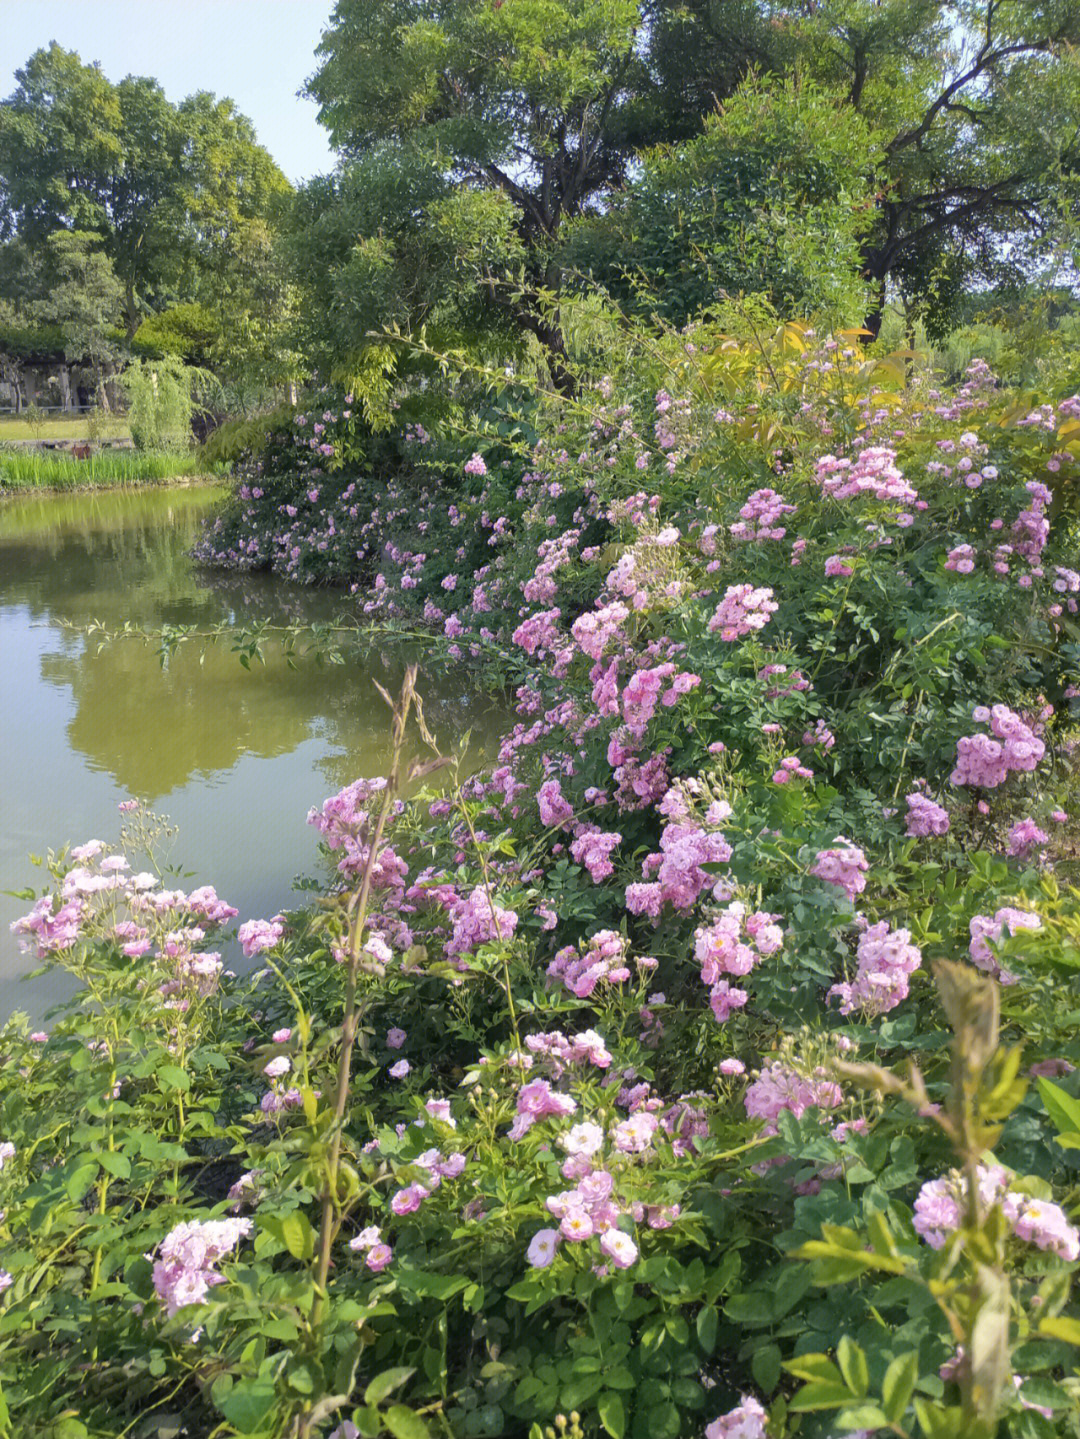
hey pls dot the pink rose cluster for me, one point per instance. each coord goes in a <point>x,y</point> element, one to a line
<point>679,876</point>
<point>369,1243</point>
<point>52,927</point>
<point>743,610</point>
<point>874,472</point>
<point>986,931</point>
<point>539,632</point>
<point>845,866</point>
<point>924,817</point>
<point>586,1211</point>
<point>595,630</point>
<point>791,767</point>
<point>759,516</point>
<point>184,1271</point>
<point>986,762</point>
<point>347,815</point>
<point>438,1168</point>
<point>721,950</point>
<point>602,958</point>
<point>345,822</point>
<point>1024,836</point>
<point>961,559</point>
<point>477,922</point>
<point>255,935</point>
<point>886,960</point>
<point>939,1212</point>
<point>592,848</point>
<point>537,1100</point>
<point>746,1421</point>
<point>778,1088</point>
<point>646,687</point>
<point>558,1052</point>
<point>555,809</point>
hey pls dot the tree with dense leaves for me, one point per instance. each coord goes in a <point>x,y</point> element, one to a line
<point>540,105</point>
<point>976,105</point>
<point>973,109</point>
<point>774,197</point>
<point>165,188</point>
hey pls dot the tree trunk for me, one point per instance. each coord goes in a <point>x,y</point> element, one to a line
<point>876,313</point>
<point>64,376</point>
<point>131,311</point>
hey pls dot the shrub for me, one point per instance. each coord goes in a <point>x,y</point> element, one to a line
<point>675,1070</point>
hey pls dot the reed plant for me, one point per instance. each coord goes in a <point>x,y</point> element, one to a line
<point>20,471</point>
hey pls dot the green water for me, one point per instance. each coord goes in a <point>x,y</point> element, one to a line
<point>234,757</point>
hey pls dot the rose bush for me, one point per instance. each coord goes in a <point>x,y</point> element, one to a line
<point>724,966</point>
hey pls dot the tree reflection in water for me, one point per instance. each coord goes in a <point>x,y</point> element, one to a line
<point>190,731</point>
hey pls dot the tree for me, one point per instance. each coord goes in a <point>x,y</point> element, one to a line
<point>84,300</point>
<point>392,239</point>
<point>977,104</point>
<point>540,104</point>
<point>164,187</point>
<point>774,197</point>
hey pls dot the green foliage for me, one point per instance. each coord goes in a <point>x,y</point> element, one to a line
<point>83,298</point>
<point>773,197</point>
<point>178,197</point>
<point>391,240</point>
<point>189,331</point>
<point>162,397</point>
<point>22,471</point>
<point>236,439</point>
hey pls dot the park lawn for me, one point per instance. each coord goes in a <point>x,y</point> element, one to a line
<point>113,427</point>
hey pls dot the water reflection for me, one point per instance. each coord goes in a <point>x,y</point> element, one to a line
<point>235,756</point>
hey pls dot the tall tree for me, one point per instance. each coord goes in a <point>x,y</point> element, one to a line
<point>541,103</point>
<point>977,106</point>
<point>774,197</point>
<point>164,187</point>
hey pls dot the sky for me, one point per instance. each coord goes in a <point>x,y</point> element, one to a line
<point>259,52</point>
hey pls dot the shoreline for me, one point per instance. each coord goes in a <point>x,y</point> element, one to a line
<point>9,492</point>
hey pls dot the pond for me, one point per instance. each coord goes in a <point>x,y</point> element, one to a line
<point>234,757</point>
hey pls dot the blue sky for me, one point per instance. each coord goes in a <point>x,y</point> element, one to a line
<point>259,52</point>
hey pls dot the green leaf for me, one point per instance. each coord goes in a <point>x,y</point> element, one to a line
<point>1062,1108</point>
<point>434,1286</point>
<point>384,1384</point>
<point>765,1367</point>
<point>862,1417</point>
<point>1059,1327</point>
<point>297,1235</point>
<point>662,1421</point>
<point>612,1414</point>
<point>936,1421</point>
<point>707,1321</point>
<point>247,1404</point>
<point>171,1076</point>
<point>853,1366</point>
<point>898,1386</point>
<point>820,1396</point>
<point>118,1165</point>
<point>404,1424</point>
<point>80,1180</point>
<point>814,1368</point>
<point>619,1377</point>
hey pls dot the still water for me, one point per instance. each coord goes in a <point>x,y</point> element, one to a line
<point>234,757</point>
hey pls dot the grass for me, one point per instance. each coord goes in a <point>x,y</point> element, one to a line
<point>113,427</point>
<point>59,472</point>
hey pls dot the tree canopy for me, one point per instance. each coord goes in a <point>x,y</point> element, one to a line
<point>969,113</point>
<point>173,193</point>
